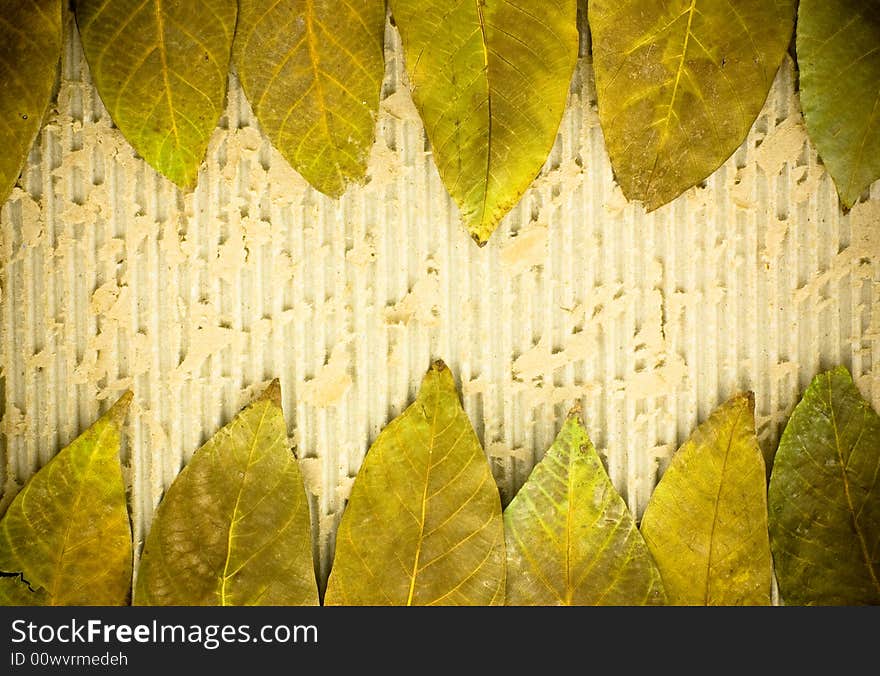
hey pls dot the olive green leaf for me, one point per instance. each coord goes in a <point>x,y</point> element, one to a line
<point>66,539</point>
<point>838,50</point>
<point>234,528</point>
<point>423,525</point>
<point>824,498</point>
<point>570,538</point>
<point>161,68</point>
<point>679,84</point>
<point>706,522</point>
<point>313,71</point>
<point>490,79</point>
<point>30,47</point>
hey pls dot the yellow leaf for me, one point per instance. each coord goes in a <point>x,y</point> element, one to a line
<point>490,79</point>
<point>161,68</point>
<point>679,84</point>
<point>30,46</point>
<point>423,525</point>
<point>570,538</point>
<point>313,70</point>
<point>234,527</point>
<point>66,539</point>
<point>706,522</point>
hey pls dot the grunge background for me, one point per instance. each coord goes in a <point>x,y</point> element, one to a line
<point>114,279</point>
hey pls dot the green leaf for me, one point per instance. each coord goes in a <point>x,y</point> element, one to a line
<point>824,497</point>
<point>680,83</point>
<point>490,79</point>
<point>30,47</point>
<point>423,525</point>
<point>66,539</point>
<point>570,538</point>
<point>706,522</point>
<point>838,49</point>
<point>313,71</point>
<point>234,527</point>
<point>161,69</point>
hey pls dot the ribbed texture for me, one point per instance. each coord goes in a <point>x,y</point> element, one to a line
<point>113,279</point>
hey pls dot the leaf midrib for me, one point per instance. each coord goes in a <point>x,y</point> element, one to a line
<point>66,538</point>
<point>485,44</point>
<point>664,135</point>
<point>863,545</point>
<point>569,589</point>
<point>160,38</point>
<point>420,540</point>
<point>715,506</point>
<point>314,60</point>
<point>234,520</point>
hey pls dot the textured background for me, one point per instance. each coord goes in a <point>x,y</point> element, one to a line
<point>113,279</point>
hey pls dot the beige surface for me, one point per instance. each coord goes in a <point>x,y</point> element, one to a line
<point>113,279</point>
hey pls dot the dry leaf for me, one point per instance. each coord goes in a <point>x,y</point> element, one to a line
<point>838,48</point>
<point>423,525</point>
<point>490,79</point>
<point>570,537</point>
<point>680,83</point>
<point>824,498</point>
<point>161,68</point>
<point>312,70</point>
<point>234,527</point>
<point>30,47</point>
<point>706,522</point>
<point>66,539</point>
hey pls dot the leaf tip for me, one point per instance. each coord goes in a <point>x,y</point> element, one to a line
<point>840,371</point>
<point>273,392</point>
<point>481,242</point>
<point>332,190</point>
<point>183,178</point>
<point>848,200</point>
<point>116,413</point>
<point>654,200</point>
<point>741,400</point>
<point>575,411</point>
<point>439,375</point>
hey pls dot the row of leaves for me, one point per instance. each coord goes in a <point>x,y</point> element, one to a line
<point>679,84</point>
<point>424,523</point>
